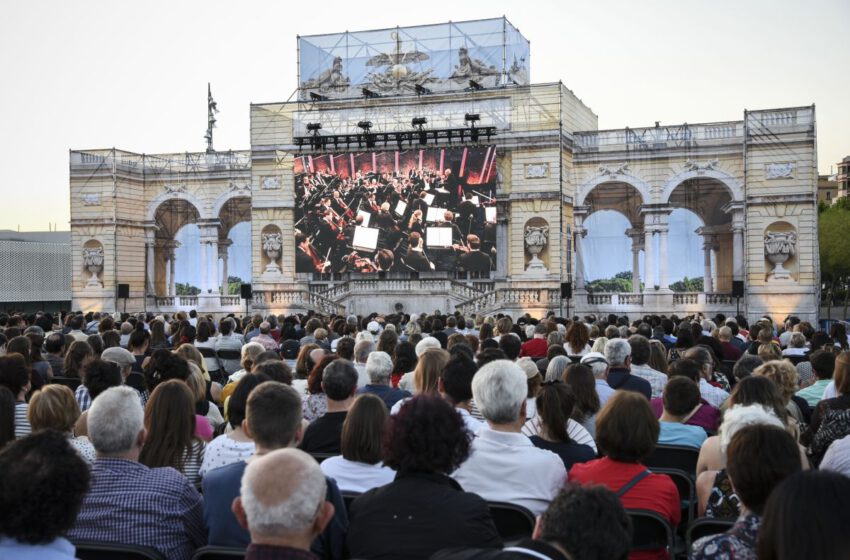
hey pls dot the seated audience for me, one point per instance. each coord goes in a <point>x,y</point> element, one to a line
<point>753,478</point>
<point>681,401</point>
<point>339,382</point>
<point>53,408</point>
<point>7,416</point>
<point>42,487</point>
<point>837,457</point>
<point>15,376</point>
<point>784,374</point>
<point>599,366</point>
<point>831,420</point>
<point>234,445</point>
<point>581,380</point>
<point>424,379</point>
<point>78,353</point>
<point>379,366</point>
<point>359,468</point>
<point>273,421</point>
<point>806,516</point>
<point>98,376</point>
<point>315,404</point>
<point>129,502</point>
<point>425,442</point>
<point>638,365</point>
<point>503,465</point>
<point>170,422</point>
<point>555,403</point>
<point>822,365</point>
<point>576,339</point>
<point>536,347</point>
<point>626,431</point>
<point>283,505</point>
<point>710,389</point>
<point>618,354</point>
<point>580,523</point>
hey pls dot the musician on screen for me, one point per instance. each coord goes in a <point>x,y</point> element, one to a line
<point>415,257</point>
<point>474,260</point>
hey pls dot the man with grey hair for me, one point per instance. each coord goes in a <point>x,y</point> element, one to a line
<point>265,338</point>
<point>379,366</point>
<point>129,502</point>
<point>339,382</point>
<point>537,346</point>
<point>283,505</point>
<point>503,465</point>
<point>362,351</point>
<point>618,352</point>
<point>640,368</point>
<point>599,366</point>
<point>273,421</point>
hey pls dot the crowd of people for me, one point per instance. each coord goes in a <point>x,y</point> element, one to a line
<point>398,436</point>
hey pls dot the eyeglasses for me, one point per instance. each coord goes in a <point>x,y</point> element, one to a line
<point>595,361</point>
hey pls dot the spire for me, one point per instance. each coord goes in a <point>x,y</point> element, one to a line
<point>212,109</point>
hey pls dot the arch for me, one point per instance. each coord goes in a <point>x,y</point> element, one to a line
<point>639,184</point>
<point>158,200</point>
<point>736,189</point>
<point>224,197</point>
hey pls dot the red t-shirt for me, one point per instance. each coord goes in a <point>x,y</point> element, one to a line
<point>534,348</point>
<point>656,492</point>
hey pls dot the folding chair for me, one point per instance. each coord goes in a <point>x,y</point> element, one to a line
<point>91,550</point>
<point>513,522</point>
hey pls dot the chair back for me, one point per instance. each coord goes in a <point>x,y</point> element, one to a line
<point>512,522</point>
<point>206,351</point>
<point>650,531</point>
<point>348,498</point>
<point>218,553</point>
<point>705,527</point>
<point>687,490</point>
<point>90,550</point>
<point>230,360</point>
<point>70,382</point>
<point>797,359</point>
<point>679,457</point>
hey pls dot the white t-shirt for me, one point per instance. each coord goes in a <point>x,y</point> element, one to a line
<point>576,431</point>
<point>353,476</point>
<point>223,451</point>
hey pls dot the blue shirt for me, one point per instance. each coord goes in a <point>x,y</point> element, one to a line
<point>621,378</point>
<point>221,486</point>
<point>389,395</point>
<point>57,549</point>
<point>133,504</point>
<point>674,433</point>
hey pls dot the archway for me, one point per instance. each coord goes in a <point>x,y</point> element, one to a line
<point>170,219</point>
<point>609,254</point>
<point>234,243</point>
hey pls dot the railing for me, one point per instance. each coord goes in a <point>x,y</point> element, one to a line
<point>297,298</point>
<point>177,163</point>
<point>600,299</point>
<point>685,298</point>
<point>630,299</point>
<point>660,136</point>
<point>230,300</point>
<point>719,299</point>
<point>164,301</point>
<point>530,297</point>
<point>616,298</point>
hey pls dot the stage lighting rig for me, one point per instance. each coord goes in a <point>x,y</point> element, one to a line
<point>419,122</point>
<point>314,127</point>
<point>318,97</point>
<point>365,125</point>
<point>472,118</point>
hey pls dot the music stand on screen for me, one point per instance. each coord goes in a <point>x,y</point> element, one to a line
<point>365,239</point>
<point>367,216</point>
<point>438,237</point>
<point>435,214</point>
<point>490,213</point>
<point>401,208</point>
<point>429,199</point>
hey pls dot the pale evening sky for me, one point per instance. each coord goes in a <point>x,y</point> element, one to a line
<point>97,74</point>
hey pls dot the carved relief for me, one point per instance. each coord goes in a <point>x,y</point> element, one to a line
<point>245,187</point>
<point>173,189</point>
<point>779,170</point>
<point>621,169</point>
<point>536,238</point>
<point>270,183</point>
<point>691,165</point>
<point>536,170</point>
<point>272,246</point>
<point>779,247</point>
<point>93,263</point>
<point>92,199</point>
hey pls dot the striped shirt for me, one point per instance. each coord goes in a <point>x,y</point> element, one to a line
<point>131,503</point>
<point>22,423</point>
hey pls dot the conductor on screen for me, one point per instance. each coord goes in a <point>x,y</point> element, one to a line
<point>473,259</point>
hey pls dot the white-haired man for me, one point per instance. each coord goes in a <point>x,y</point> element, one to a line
<point>618,352</point>
<point>379,366</point>
<point>129,502</point>
<point>283,505</point>
<point>504,466</point>
<point>599,366</point>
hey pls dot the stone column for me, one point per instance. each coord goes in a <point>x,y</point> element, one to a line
<point>223,246</point>
<point>707,285</point>
<point>170,249</point>
<point>579,275</point>
<point>209,258</point>
<point>662,255</point>
<point>649,259</point>
<point>150,247</point>
<point>636,236</point>
<point>714,271</point>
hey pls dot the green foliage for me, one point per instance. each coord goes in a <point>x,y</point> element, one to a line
<point>233,284</point>
<point>688,285</point>
<point>186,289</point>
<point>620,283</point>
<point>834,239</point>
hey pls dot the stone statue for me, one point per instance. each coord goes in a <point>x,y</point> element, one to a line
<point>779,246</point>
<point>536,238</point>
<point>93,262</point>
<point>272,245</point>
<point>332,78</point>
<point>471,68</point>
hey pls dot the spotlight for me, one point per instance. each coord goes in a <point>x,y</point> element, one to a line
<point>365,125</point>
<point>423,137</point>
<point>475,86</point>
<point>314,127</point>
<point>317,97</point>
<point>419,122</point>
<point>369,94</point>
<point>472,117</point>
<point>421,90</point>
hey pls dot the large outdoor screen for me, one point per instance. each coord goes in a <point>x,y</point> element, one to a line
<point>418,210</point>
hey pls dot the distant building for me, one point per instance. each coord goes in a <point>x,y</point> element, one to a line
<point>828,188</point>
<point>35,270</point>
<point>843,177</point>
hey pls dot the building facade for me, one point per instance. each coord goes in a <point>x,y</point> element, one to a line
<point>752,183</point>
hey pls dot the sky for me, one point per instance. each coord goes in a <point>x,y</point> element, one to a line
<point>133,75</point>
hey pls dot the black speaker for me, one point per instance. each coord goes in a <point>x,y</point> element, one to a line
<point>737,288</point>
<point>123,291</point>
<point>245,291</point>
<point>566,290</point>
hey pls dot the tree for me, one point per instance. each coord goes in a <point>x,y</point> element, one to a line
<point>688,285</point>
<point>186,289</point>
<point>833,228</point>
<point>233,285</point>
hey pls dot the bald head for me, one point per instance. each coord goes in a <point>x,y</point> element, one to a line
<point>283,496</point>
<point>316,355</point>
